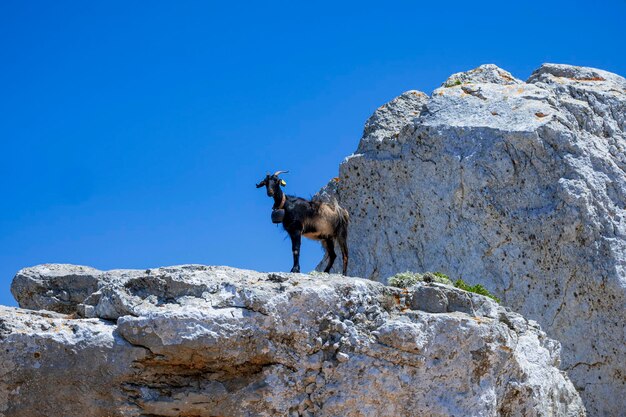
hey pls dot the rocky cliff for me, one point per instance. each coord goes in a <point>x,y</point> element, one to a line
<point>205,341</point>
<point>520,186</point>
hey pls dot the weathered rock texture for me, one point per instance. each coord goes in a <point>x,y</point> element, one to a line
<point>206,341</point>
<point>520,186</point>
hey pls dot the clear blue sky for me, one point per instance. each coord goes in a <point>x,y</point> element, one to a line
<point>132,133</point>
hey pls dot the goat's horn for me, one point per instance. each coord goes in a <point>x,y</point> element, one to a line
<point>280,172</point>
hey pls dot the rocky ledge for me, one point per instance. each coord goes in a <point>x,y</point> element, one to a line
<point>203,341</point>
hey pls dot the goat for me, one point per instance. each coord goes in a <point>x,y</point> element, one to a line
<point>313,219</point>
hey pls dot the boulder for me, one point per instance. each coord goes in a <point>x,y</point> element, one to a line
<point>518,186</point>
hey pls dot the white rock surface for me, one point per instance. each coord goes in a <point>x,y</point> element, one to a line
<point>518,186</point>
<point>487,73</point>
<point>204,341</point>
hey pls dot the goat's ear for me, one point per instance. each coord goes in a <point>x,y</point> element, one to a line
<point>261,184</point>
<point>283,183</point>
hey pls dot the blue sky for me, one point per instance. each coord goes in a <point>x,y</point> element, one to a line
<point>132,133</point>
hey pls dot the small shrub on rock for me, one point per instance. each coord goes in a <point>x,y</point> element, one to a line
<point>407,279</point>
<point>453,83</point>
<point>478,289</point>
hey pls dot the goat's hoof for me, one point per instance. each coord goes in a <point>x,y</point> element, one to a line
<point>294,269</point>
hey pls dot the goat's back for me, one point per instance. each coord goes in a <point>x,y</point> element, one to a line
<point>330,221</point>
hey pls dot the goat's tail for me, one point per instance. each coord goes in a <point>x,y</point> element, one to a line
<point>342,218</point>
<point>341,229</point>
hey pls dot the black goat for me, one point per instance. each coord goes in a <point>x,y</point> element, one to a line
<point>313,219</point>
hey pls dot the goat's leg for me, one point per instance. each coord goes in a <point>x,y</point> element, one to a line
<point>329,245</point>
<point>296,237</point>
<point>343,245</point>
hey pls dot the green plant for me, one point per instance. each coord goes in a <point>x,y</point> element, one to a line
<point>477,288</point>
<point>406,279</point>
<point>442,278</point>
<point>453,83</point>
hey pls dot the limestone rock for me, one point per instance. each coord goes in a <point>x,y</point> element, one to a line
<point>487,73</point>
<point>517,186</point>
<point>389,119</point>
<point>54,287</point>
<point>53,365</point>
<point>205,341</point>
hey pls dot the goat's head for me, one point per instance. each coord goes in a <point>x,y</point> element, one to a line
<point>272,183</point>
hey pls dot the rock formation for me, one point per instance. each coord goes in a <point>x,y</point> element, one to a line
<point>519,186</point>
<point>204,341</point>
